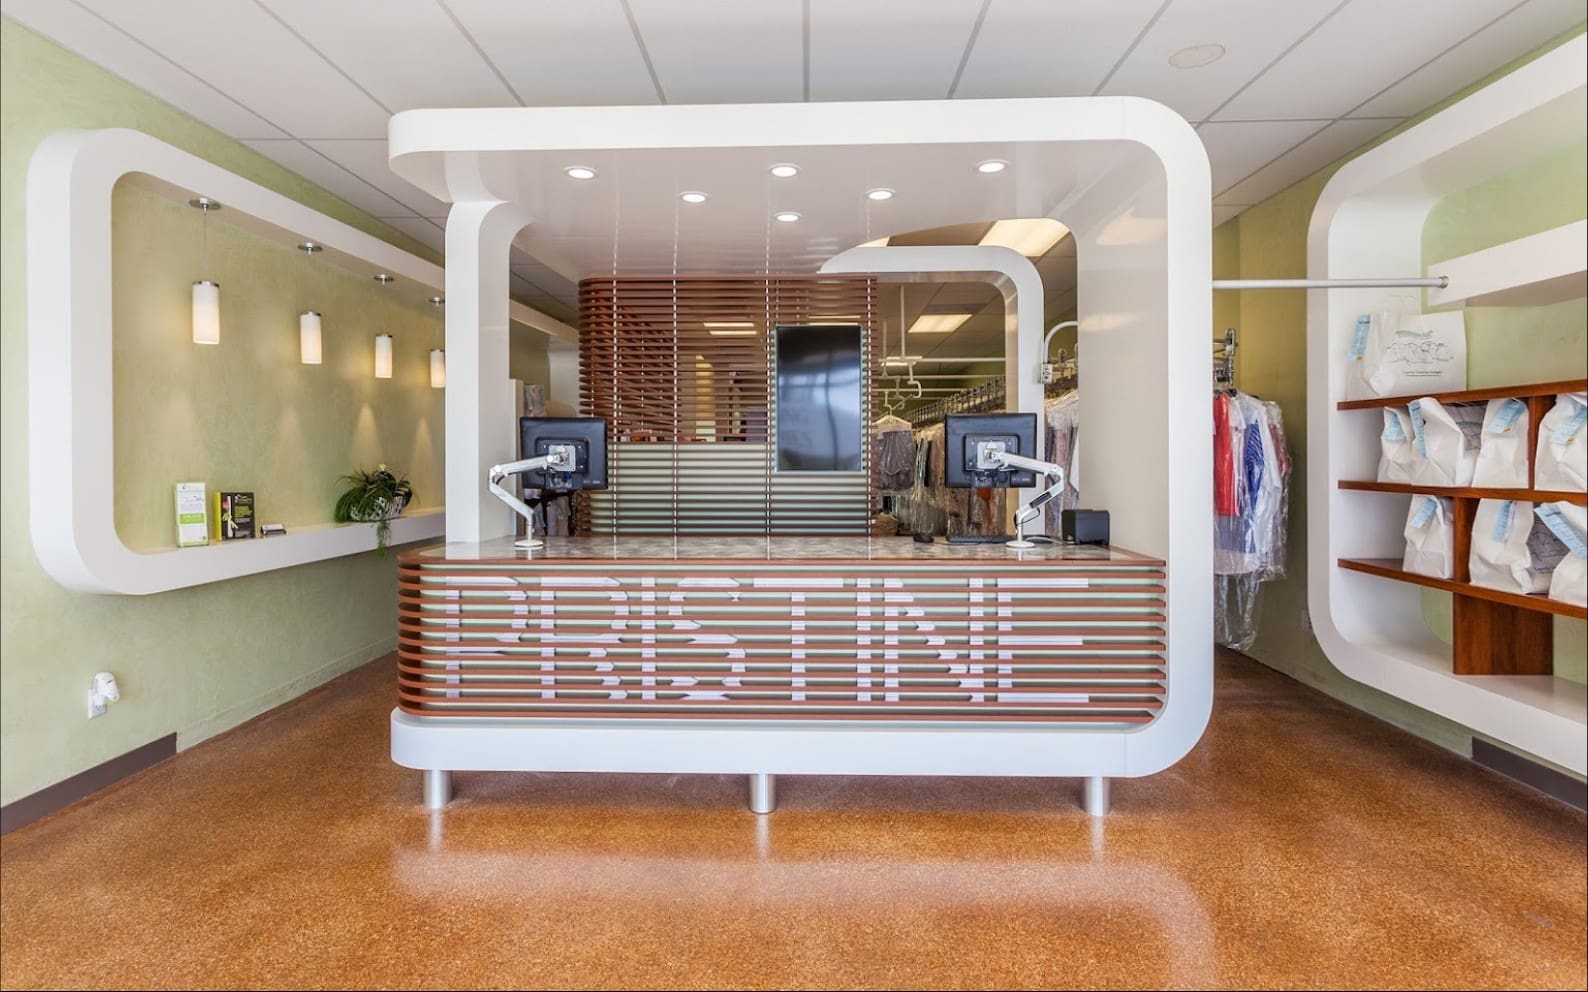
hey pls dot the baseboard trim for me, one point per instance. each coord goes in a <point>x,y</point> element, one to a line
<point>84,784</point>
<point>1556,785</point>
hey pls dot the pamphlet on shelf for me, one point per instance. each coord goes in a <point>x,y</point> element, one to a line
<point>192,528</point>
<point>232,516</point>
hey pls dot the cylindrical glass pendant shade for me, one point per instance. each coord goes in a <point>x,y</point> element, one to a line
<point>383,356</point>
<point>438,368</point>
<point>206,312</point>
<point>309,337</point>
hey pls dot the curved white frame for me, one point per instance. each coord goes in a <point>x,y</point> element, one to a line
<point>71,449</point>
<point>1368,221</point>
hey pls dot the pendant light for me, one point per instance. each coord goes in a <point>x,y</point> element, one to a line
<point>309,349</point>
<point>438,356</point>
<point>383,341</point>
<point>206,294</point>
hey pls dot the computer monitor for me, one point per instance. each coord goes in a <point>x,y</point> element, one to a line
<point>588,438</point>
<point>963,435</point>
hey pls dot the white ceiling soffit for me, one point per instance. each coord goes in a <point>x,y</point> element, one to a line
<point>309,82</point>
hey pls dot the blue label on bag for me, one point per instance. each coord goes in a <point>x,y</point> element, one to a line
<point>1393,429</point>
<point>1567,433</point>
<point>1359,337</point>
<point>1510,412</point>
<point>1425,512</point>
<point>1562,529</point>
<point>1416,411</point>
<point>1502,524</point>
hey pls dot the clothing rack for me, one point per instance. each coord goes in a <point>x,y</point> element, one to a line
<point>1224,359</point>
<point>977,399</point>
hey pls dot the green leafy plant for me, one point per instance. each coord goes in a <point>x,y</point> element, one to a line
<point>376,497</point>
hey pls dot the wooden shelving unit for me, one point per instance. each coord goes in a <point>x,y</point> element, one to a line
<point>1390,568</point>
<point>1535,390</point>
<point>1467,492</point>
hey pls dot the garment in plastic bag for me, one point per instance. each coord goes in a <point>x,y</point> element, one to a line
<point>1446,440</point>
<point>1561,463</point>
<point>1502,447</point>
<point>1569,523</point>
<point>1430,538</point>
<point>893,452</point>
<point>1251,484</point>
<point>1397,456</point>
<point>1394,354</point>
<point>1511,550</point>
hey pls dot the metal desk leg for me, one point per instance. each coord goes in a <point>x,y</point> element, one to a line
<point>1094,796</point>
<point>763,793</point>
<point>438,788</point>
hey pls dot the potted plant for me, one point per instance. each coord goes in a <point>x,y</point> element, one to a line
<point>375,497</point>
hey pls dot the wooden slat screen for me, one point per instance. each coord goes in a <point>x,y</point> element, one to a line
<point>691,408</point>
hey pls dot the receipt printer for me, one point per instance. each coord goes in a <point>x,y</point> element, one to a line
<point>1085,526</point>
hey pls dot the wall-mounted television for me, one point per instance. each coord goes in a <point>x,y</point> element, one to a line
<point>819,384</point>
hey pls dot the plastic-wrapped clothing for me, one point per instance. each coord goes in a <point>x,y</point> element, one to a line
<point>1251,479</point>
<point>893,453</point>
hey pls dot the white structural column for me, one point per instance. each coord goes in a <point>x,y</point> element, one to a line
<point>479,392</point>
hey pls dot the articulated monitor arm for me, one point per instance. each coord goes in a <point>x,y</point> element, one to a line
<point>560,458</point>
<point>1033,509</point>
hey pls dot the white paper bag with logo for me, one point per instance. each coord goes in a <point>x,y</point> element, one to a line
<point>1397,457</point>
<point>1394,354</point>
<point>1502,447</point>
<point>1429,538</point>
<point>1446,440</point>
<point>1511,550</point>
<point>1569,523</point>
<point>1562,460</point>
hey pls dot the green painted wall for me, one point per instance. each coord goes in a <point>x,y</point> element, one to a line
<point>1269,240</point>
<point>201,660</point>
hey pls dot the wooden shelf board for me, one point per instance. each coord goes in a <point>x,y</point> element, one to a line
<point>1466,492</point>
<point>1390,568</point>
<point>1474,395</point>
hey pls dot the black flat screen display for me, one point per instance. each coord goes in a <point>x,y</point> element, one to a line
<point>818,398</point>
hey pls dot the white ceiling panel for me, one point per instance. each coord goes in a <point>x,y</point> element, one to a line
<point>323,172</point>
<point>1513,36</point>
<point>560,54</point>
<point>406,53</point>
<point>1361,50</point>
<point>1336,139</point>
<point>421,230</point>
<point>1238,149</point>
<point>1253,33</point>
<point>101,42</point>
<point>725,52</point>
<point>1048,48</point>
<point>368,159</point>
<point>878,50</point>
<point>235,46</point>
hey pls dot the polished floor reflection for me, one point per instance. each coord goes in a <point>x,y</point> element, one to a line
<point>1301,844</point>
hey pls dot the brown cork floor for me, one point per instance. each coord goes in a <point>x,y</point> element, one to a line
<point>1300,844</point>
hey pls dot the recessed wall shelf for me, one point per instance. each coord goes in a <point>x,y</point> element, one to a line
<point>1391,568</point>
<point>1547,267</point>
<point>1467,492</point>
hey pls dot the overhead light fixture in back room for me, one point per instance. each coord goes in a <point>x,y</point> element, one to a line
<point>730,328</point>
<point>938,323</point>
<point>1032,237</point>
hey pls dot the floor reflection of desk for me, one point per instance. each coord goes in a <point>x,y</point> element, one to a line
<point>777,656</point>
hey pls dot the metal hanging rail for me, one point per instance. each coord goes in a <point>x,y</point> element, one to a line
<point>1432,282</point>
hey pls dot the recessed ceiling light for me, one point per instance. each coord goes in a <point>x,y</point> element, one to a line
<point>382,278</point>
<point>1031,237</point>
<point>1196,56</point>
<point>938,323</point>
<point>785,171</point>
<point>992,165</point>
<point>880,193</point>
<point>693,196</point>
<point>580,172</point>
<point>788,216</point>
<point>437,301</point>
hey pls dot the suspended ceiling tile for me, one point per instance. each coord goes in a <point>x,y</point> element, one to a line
<point>238,48</point>
<point>105,44</point>
<point>1335,140</point>
<point>1252,32</point>
<point>323,172</point>
<point>1238,149</point>
<point>878,50</point>
<point>1361,50</point>
<point>725,52</point>
<point>406,53</point>
<point>561,54</point>
<point>367,158</point>
<point>1514,35</point>
<point>1048,48</point>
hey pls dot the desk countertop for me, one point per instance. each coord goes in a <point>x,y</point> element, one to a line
<point>730,549</point>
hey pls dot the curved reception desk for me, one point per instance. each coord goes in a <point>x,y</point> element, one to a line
<point>770,656</point>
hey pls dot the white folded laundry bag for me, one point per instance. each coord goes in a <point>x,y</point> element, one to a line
<point>1406,354</point>
<point>1430,538</point>
<point>1446,441</point>
<point>1511,550</point>
<point>1397,456</point>
<point>1502,447</point>
<point>1561,463</point>
<point>1569,523</point>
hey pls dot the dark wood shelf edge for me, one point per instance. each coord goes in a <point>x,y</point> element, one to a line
<point>1465,492</point>
<point>1472,395</point>
<point>1390,568</point>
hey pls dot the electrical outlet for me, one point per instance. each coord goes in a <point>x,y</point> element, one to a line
<point>1306,621</point>
<point>97,704</point>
